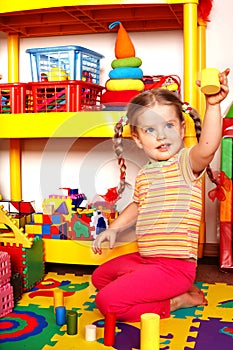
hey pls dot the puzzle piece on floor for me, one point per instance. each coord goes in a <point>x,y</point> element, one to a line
<point>38,324</point>
<point>210,334</point>
<point>91,305</point>
<point>76,290</point>
<point>218,296</point>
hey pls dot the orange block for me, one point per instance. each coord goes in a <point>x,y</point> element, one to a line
<point>226,207</point>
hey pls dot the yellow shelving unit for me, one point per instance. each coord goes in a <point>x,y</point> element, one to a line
<point>65,124</point>
<point>64,17</point>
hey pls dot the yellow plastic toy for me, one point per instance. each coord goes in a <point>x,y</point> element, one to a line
<point>210,81</point>
<point>17,236</point>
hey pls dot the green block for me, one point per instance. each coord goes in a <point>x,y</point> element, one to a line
<point>34,263</point>
<point>230,112</point>
<point>226,157</point>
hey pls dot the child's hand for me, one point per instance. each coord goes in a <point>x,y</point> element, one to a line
<point>108,235</point>
<point>224,89</point>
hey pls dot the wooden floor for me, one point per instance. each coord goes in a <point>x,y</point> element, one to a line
<point>208,270</point>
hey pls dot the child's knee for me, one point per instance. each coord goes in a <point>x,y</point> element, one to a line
<point>102,302</point>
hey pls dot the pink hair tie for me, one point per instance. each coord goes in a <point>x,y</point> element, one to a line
<point>186,108</point>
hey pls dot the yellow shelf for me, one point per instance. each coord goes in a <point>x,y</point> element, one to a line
<point>28,19</point>
<point>67,124</point>
<point>15,5</point>
<point>80,252</point>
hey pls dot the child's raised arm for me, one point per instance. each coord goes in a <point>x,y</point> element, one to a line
<point>203,152</point>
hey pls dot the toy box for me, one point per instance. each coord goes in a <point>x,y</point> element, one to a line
<point>65,96</point>
<point>15,98</point>
<point>65,63</point>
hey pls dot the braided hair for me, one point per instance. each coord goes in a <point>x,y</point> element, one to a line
<point>136,107</point>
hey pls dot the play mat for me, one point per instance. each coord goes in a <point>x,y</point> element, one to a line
<point>32,324</point>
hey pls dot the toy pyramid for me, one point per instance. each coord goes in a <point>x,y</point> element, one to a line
<point>125,78</point>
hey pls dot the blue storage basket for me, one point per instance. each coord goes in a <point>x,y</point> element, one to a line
<point>65,62</point>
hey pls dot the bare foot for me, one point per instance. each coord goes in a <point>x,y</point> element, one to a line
<point>192,298</point>
<point>194,289</point>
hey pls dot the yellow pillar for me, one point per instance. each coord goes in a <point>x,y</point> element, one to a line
<point>15,170</point>
<point>190,66</point>
<point>15,149</point>
<point>201,110</point>
<point>13,58</point>
<point>201,30</point>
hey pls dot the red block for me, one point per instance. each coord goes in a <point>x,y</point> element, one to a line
<point>47,219</point>
<point>109,329</point>
<point>226,245</point>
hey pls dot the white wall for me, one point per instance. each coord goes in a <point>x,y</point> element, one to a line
<point>219,54</point>
<point>89,164</point>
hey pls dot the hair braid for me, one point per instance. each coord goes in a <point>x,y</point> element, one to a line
<point>197,125</point>
<point>118,149</point>
<point>197,122</point>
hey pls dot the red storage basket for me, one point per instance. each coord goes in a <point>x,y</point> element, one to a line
<point>5,268</point>
<point>6,299</point>
<point>15,98</point>
<point>65,96</point>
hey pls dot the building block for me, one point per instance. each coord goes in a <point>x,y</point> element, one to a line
<point>38,218</point>
<point>225,258</point>
<point>29,228</point>
<point>226,207</point>
<point>59,229</point>
<point>17,236</point>
<point>62,209</point>
<point>227,128</point>
<point>226,245</point>
<point>225,239</point>
<point>29,262</point>
<point>229,113</point>
<point>18,207</point>
<point>226,156</point>
<point>46,228</point>
<point>57,219</point>
<point>34,267</point>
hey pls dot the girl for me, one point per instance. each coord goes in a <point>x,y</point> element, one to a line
<point>166,208</point>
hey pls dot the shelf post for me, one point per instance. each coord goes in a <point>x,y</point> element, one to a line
<point>15,146</point>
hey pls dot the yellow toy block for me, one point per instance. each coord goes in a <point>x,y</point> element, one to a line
<point>38,218</point>
<point>37,229</point>
<point>29,218</point>
<point>33,229</point>
<point>29,229</point>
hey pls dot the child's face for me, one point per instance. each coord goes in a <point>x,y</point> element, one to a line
<point>159,132</point>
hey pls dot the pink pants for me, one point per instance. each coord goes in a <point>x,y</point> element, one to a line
<point>131,285</point>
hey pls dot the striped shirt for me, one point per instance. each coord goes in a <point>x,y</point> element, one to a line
<point>170,203</point>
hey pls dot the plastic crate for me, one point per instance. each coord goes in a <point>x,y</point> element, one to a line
<point>65,62</point>
<point>5,268</point>
<point>6,299</point>
<point>65,96</point>
<point>15,98</point>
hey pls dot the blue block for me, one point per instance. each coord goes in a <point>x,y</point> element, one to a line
<point>46,229</point>
<point>57,219</point>
<point>55,236</point>
<point>65,228</point>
